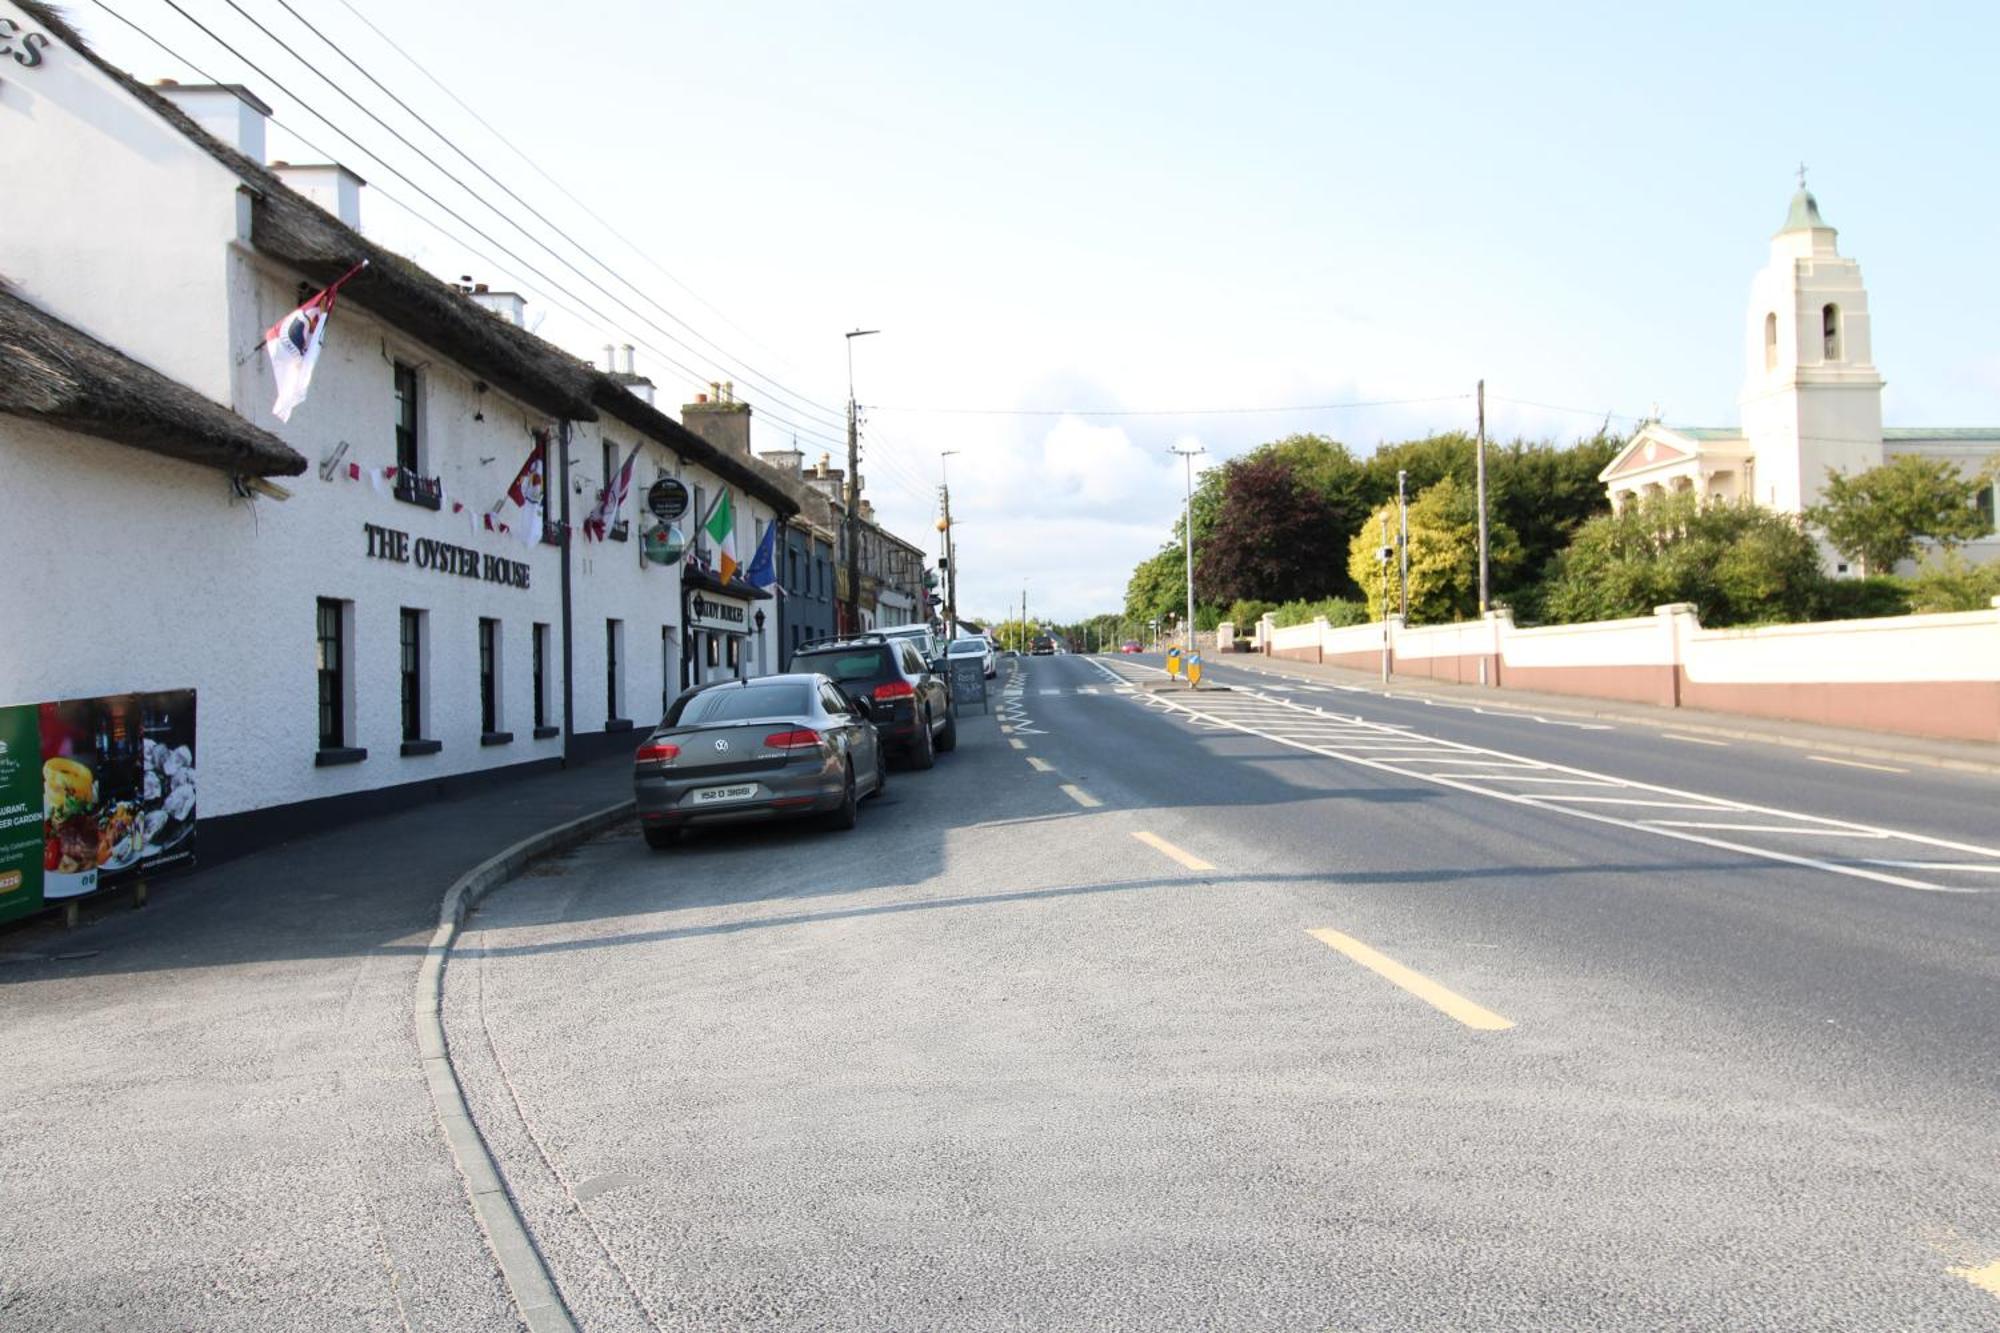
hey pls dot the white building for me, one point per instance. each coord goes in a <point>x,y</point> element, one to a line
<point>1811,399</point>
<point>355,640</point>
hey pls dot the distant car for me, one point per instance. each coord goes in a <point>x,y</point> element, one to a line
<point>989,660</point>
<point>911,702</point>
<point>739,751</point>
<point>1043,646</point>
<point>1130,646</point>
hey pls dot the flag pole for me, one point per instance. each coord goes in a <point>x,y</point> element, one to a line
<point>324,294</point>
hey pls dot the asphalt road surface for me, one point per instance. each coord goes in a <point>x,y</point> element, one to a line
<point>1269,1007</point>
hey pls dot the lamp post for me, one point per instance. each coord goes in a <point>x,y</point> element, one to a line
<point>852,555</point>
<point>1188,452</point>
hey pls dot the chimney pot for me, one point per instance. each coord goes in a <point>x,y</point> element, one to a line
<point>610,358</point>
<point>701,398</point>
<point>628,360</point>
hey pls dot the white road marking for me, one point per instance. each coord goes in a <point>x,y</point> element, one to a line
<point>1773,828</point>
<point>1693,740</point>
<point>1854,763</point>
<point>1937,865</point>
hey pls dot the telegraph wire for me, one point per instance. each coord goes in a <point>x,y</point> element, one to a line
<point>806,406</point>
<point>600,318</point>
<point>644,255</point>
<point>442,170</point>
<point>1169,412</point>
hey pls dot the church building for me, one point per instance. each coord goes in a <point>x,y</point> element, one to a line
<point>1811,400</point>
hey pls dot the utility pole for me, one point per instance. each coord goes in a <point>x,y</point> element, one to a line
<point>1479,472</point>
<point>950,550</point>
<point>1187,526</point>
<point>1402,547</point>
<point>1384,553</point>
<point>852,556</point>
<point>1024,619</point>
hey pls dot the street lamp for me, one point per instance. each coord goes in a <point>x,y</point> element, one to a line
<point>1188,452</point>
<point>853,553</point>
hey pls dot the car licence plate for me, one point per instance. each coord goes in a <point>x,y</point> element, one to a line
<point>724,795</point>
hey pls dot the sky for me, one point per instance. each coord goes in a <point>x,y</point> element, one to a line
<point>1058,212</point>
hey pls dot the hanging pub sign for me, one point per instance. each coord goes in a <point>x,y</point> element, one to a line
<point>667,498</point>
<point>93,792</point>
<point>663,543</point>
<point>712,611</point>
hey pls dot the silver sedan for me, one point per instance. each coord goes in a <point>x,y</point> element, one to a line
<point>741,751</point>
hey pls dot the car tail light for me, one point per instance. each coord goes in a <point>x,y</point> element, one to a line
<point>895,689</point>
<point>656,752</point>
<point>792,740</point>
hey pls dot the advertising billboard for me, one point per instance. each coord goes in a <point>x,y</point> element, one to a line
<point>93,793</point>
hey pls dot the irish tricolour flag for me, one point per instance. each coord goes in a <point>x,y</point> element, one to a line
<point>720,526</point>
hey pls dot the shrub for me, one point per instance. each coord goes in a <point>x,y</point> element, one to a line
<point>1950,582</point>
<point>1245,614</point>
<point>1862,599</point>
<point>1337,610</point>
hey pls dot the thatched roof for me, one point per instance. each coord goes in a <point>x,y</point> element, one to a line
<point>289,227</point>
<point>743,473</point>
<point>63,376</point>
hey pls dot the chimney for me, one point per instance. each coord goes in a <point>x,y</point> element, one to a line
<point>791,462</point>
<point>628,359</point>
<point>610,359</point>
<point>726,425</point>
<point>229,111</point>
<point>333,187</point>
<point>510,306</point>
<point>819,468</point>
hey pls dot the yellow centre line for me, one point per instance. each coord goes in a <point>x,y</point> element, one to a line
<point>1159,844</point>
<point>1854,763</point>
<point>1017,744</point>
<point>1986,1279</point>
<point>1416,983</point>
<point>1080,796</point>
<point>1040,765</point>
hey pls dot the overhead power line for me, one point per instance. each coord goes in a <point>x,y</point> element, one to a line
<point>805,405</point>
<point>1166,412</point>
<point>597,315</point>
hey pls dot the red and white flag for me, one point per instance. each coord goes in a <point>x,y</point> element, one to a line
<point>528,494</point>
<point>293,345</point>
<point>613,499</point>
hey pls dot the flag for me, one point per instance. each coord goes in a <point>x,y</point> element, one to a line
<point>528,493</point>
<point>720,528</point>
<point>293,345</point>
<point>613,499</point>
<point>763,571</point>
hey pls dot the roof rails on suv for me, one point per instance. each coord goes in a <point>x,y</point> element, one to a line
<point>865,636</point>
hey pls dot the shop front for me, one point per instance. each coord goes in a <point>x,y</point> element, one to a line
<point>725,630</point>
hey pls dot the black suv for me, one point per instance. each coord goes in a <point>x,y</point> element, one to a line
<point>909,702</point>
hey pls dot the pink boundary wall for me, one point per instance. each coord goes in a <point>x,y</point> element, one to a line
<point>1934,675</point>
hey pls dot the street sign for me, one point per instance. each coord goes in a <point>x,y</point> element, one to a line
<point>667,498</point>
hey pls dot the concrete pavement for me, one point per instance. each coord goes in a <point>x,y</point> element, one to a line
<point>1070,1033</point>
<point>216,1118</point>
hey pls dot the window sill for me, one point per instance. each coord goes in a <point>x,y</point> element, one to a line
<point>543,733</point>
<point>496,737</point>
<point>333,756</point>
<point>421,747</point>
<point>618,724</point>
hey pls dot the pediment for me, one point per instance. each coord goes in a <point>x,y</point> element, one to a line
<point>1649,449</point>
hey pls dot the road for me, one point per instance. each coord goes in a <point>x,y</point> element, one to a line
<point>1270,1008</point>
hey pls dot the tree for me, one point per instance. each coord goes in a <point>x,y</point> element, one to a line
<point>1158,585</point>
<point>1444,554</point>
<point>1737,563</point>
<point>1879,517</point>
<point>1274,538</point>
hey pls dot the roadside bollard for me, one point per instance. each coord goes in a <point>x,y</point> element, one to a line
<point>1194,671</point>
<point>1174,663</point>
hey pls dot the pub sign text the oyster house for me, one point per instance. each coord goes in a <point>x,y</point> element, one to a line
<point>429,553</point>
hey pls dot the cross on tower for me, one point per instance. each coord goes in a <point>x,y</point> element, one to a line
<point>1802,175</point>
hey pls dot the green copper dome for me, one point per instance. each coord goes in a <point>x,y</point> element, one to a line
<point>1805,213</point>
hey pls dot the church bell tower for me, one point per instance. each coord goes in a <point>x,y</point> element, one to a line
<point>1812,398</point>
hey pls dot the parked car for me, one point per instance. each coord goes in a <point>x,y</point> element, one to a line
<point>770,748</point>
<point>910,701</point>
<point>927,643</point>
<point>981,648</point>
<point>1043,646</point>
<point>1130,646</point>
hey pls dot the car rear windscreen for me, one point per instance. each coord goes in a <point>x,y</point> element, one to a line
<point>968,648</point>
<point>864,664</point>
<point>752,701</point>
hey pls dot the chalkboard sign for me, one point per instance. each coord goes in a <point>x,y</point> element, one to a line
<point>968,682</point>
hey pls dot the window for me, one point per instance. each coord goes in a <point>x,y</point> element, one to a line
<point>614,641</point>
<point>332,675</point>
<point>792,570</point>
<point>1984,502</point>
<point>407,460</point>
<point>1771,341</point>
<point>489,675</point>
<point>700,515</point>
<point>739,704</point>
<point>1829,329</point>
<point>735,651</point>
<point>540,668</point>
<point>412,638</point>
